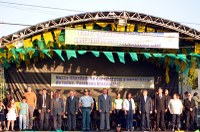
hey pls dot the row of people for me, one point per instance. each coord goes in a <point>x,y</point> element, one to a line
<point>47,106</point>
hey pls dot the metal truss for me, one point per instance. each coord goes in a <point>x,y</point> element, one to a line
<point>100,16</point>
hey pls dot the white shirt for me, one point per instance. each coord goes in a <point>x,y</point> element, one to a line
<point>175,106</point>
<point>126,104</point>
<point>118,104</point>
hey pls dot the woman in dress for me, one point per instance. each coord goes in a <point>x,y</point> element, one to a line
<point>11,115</point>
<point>129,110</point>
<point>2,116</point>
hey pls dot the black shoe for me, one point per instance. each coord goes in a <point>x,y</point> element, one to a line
<point>107,129</point>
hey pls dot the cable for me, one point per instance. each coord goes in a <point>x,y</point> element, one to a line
<point>31,9</point>
<point>36,6</point>
<point>15,24</point>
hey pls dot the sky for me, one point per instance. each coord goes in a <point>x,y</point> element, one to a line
<point>182,11</point>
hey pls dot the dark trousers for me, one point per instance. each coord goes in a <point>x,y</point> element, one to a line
<point>176,120</point>
<point>104,120</point>
<point>129,120</point>
<point>168,118</point>
<point>145,121</point>
<point>160,121</point>
<point>57,122</point>
<point>71,118</point>
<point>85,118</point>
<point>118,116</point>
<point>44,119</point>
<point>189,120</point>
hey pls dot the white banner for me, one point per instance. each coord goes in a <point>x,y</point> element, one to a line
<point>83,81</point>
<point>122,39</point>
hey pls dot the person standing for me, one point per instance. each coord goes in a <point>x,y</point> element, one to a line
<point>104,107</point>
<point>175,107</point>
<point>31,100</point>
<point>129,110</point>
<point>189,105</point>
<point>167,112</point>
<point>118,104</point>
<point>197,101</point>
<point>2,116</point>
<point>145,109</point>
<point>86,104</point>
<point>72,110</point>
<point>23,112</point>
<point>160,105</point>
<point>43,105</point>
<point>57,110</point>
<point>11,115</point>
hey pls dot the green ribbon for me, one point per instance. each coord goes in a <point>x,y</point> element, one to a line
<point>95,53</point>
<point>70,54</point>
<point>109,55</point>
<point>121,57</point>
<point>134,56</point>
<point>59,53</point>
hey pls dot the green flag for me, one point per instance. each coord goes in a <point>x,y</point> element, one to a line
<point>194,55</point>
<point>59,53</point>
<point>172,56</point>
<point>13,51</point>
<point>134,56</point>
<point>5,63</point>
<point>21,50</point>
<point>41,44</point>
<point>157,55</point>
<point>46,52</point>
<point>121,57</point>
<point>61,37</point>
<point>147,55</point>
<point>95,53</point>
<point>109,55</point>
<point>70,54</point>
<point>81,52</point>
<point>182,57</point>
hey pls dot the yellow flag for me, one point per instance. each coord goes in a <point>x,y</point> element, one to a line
<point>197,48</point>
<point>28,43</point>
<point>89,26</point>
<point>10,46</point>
<point>57,34</point>
<point>141,28</point>
<point>79,26</point>
<point>130,27</point>
<point>102,24</point>
<point>9,55</point>
<point>48,37</point>
<point>150,29</point>
<point>22,56</point>
<point>31,53</point>
<point>3,54</point>
<point>120,28</point>
<point>113,26</point>
<point>37,37</point>
<point>167,74</point>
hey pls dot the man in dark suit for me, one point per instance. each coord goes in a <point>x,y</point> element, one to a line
<point>167,113</point>
<point>145,109</point>
<point>72,110</point>
<point>105,107</point>
<point>57,110</point>
<point>189,105</point>
<point>160,105</point>
<point>43,105</point>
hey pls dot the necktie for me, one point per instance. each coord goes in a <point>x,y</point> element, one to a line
<point>44,101</point>
<point>145,98</point>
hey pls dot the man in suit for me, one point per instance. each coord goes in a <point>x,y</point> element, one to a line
<point>57,110</point>
<point>72,110</point>
<point>189,105</point>
<point>43,105</point>
<point>105,107</point>
<point>167,113</point>
<point>160,105</point>
<point>145,109</point>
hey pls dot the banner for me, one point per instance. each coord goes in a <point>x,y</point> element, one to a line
<point>122,39</point>
<point>83,81</point>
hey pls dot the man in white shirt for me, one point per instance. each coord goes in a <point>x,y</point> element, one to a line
<point>175,107</point>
